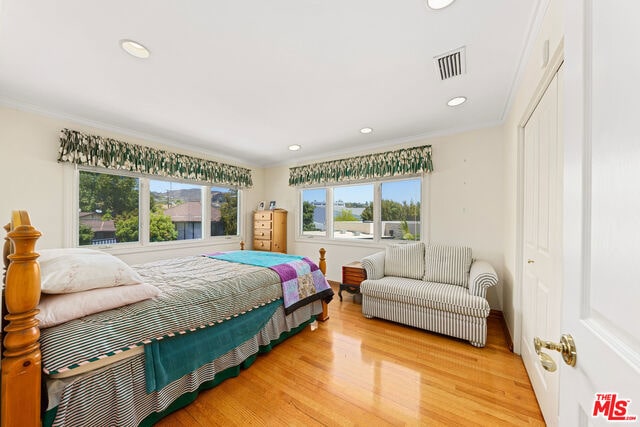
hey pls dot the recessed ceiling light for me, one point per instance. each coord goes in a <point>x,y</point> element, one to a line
<point>439,4</point>
<point>366,130</point>
<point>295,147</point>
<point>458,100</point>
<point>134,48</point>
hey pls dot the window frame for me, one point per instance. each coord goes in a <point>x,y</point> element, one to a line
<point>377,214</point>
<point>144,214</point>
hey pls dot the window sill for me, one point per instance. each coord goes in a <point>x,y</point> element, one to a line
<point>357,243</point>
<point>136,248</point>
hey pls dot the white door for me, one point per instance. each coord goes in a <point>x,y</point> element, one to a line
<point>542,249</point>
<point>601,300</point>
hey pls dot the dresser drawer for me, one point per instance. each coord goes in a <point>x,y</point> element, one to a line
<point>262,234</point>
<point>353,273</point>
<point>263,216</point>
<point>261,245</point>
<point>262,224</point>
<point>352,278</point>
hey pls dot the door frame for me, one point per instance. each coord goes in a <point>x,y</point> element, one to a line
<point>555,62</point>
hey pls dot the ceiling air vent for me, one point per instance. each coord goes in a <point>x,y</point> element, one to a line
<point>451,64</point>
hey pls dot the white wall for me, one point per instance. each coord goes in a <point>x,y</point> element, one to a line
<point>466,203</point>
<point>551,30</point>
<point>33,180</point>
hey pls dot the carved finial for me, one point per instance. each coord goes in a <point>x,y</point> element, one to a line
<point>6,249</point>
<point>323,261</point>
<point>242,245</point>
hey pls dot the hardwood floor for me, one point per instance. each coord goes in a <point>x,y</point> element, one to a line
<point>357,371</point>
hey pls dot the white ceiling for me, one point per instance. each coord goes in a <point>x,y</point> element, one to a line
<point>243,79</point>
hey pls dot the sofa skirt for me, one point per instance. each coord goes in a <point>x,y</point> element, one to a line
<point>470,328</point>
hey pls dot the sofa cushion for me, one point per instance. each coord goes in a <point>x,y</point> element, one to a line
<point>405,260</point>
<point>447,264</point>
<point>437,296</point>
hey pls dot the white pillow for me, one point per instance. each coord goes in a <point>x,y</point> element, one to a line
<point>56,309</point>
<point>77,269</point>
<point>405,260</point>
<point>447,264</point>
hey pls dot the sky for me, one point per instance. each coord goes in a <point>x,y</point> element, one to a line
<point>399,191</point>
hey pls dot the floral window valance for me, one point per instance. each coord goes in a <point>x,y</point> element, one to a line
<point>91,150</point>
<point>406,161</point>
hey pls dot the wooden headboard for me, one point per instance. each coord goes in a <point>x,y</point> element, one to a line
<point>21,359</point>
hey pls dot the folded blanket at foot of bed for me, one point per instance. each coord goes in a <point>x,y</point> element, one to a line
<point>302,280</point>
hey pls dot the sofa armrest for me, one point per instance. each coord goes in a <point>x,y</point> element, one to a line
<point>481,277</point>
<point>374,265</point>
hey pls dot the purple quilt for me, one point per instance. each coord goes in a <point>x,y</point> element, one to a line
<point>302,280</point>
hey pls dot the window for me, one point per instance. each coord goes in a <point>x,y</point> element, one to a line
<point>175,211</point>
<point>383,210</point>
<point>224,211</point>
<point>400,209</point>
<point>314,212</point>
<point>110,210</point>
<point>349,205</point>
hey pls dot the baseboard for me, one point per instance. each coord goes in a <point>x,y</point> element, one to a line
<point>507,336</point>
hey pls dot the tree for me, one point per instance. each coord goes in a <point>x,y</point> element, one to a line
<point>86,235</point>
<point>161,228</point>
<point>367,213</point>
<point>114,197</point>
<point>406,233</point>
<point>390,210</point>
<point>308,210</point>
<point>345,215</point>
<point>393,211</point>
<point>127,227</point>
<point>110,194</point>
<point>229,213</point>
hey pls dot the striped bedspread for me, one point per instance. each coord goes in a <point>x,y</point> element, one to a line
<point>302,280</point>
<point>197,292</point>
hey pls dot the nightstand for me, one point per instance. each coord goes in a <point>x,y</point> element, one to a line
<point>352,275</point>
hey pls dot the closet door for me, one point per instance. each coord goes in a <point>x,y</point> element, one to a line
<point>542,278</point>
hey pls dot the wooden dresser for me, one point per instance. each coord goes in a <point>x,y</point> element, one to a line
<point>270,230</point>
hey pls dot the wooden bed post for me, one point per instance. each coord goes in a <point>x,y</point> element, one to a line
<point>21,362</point>
<point>323,267</point>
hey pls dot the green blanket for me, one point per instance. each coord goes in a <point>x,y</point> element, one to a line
<point>171,358</point>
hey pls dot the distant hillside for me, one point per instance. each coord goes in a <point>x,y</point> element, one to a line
<point>190,195</point>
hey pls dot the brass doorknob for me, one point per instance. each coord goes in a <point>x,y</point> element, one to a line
<point>530,261</point>
<point>566,347</point>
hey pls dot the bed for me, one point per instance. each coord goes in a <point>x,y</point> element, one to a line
<point>197,321</point>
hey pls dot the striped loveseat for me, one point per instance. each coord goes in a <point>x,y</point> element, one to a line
<point>438,288</point>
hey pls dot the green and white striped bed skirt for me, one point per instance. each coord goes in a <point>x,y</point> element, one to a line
<point>116,394</point>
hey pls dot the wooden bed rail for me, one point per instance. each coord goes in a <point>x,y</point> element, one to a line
<point>21,358</point>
